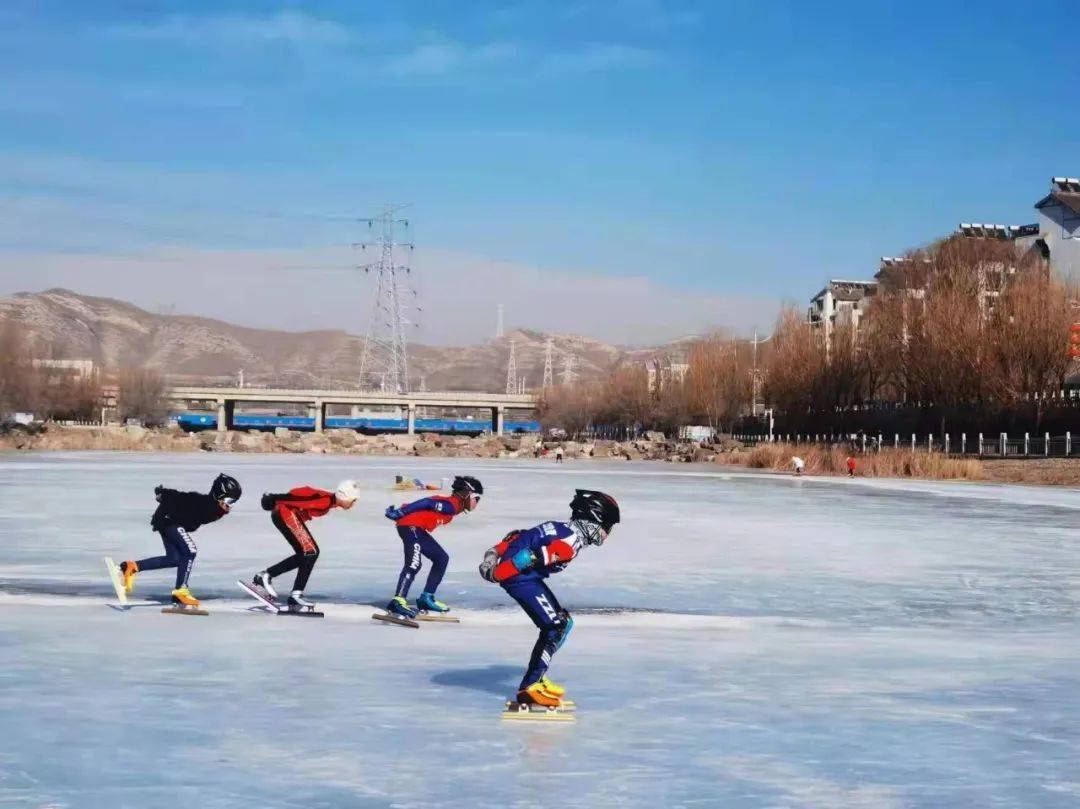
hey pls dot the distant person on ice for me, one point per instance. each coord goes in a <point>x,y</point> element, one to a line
<point>521,562</point>
<point>290,513</point>
<point>797,464</point>
<point>851,466</point>
<point>415,522</point>
<point>178,515</point>
<point>559,454</point>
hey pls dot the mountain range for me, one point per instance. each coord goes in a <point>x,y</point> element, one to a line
<point>62,324</point>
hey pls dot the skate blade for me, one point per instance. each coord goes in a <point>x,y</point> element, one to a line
<point>395,619</point>
<point>260,595</point>
<point>435,618</point>
<point>518,712</point>
<point>300,613</point>
<point>183,611</point>
<point>114,577</point>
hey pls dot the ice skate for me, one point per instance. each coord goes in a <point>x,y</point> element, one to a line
<point>537,694</point>
<point>263,580</point>
<point>535,703</point>
<point>184,603</point>
<point>298,605</point>
<point>400,607</point>
<point>182,597</point>
<point>398,612</point>
<point>552,688</point>
<point>428,608</point>
<point>127,573</point>
<point>428,603</point>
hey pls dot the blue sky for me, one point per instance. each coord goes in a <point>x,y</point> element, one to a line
<point>629,170</point>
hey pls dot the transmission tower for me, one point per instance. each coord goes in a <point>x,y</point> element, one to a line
<point>385,355</point>
<point>549,351</point>
<point>569,375</point>
<point>511,369</point>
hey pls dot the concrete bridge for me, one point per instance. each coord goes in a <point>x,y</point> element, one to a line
<point>227,399</point>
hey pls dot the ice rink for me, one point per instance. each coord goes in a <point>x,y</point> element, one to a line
<point>742,640</point>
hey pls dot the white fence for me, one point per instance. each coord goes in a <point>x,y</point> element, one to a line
<point>1001,445</point>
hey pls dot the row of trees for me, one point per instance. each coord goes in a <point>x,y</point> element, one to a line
<point>967,330</point>
<point>27,384</point>
<point>714,390</point>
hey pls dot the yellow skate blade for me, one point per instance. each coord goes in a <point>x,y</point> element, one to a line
<point>183,611</point>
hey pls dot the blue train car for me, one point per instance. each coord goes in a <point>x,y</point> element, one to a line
<point>208,421</point>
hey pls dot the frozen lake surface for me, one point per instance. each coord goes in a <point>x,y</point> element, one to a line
<point>741,640</point>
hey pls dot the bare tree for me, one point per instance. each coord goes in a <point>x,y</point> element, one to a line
<point>142,396</point>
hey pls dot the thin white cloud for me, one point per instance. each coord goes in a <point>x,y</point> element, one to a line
<point>441,58</point>
<point>282,26</point>
<point>599,58</point>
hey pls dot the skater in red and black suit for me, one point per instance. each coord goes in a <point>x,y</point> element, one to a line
<point>290,514</point>
<point>521,563</point>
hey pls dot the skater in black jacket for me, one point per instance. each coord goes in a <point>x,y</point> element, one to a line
<point>178,515</point>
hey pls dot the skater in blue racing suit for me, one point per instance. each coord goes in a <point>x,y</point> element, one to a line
<point>522,562</point>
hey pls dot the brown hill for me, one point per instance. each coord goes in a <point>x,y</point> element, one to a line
<point>64,324</point>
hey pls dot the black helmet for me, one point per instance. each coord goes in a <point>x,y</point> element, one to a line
<point>468,489</point>
<point>594,507</point>
<point>466,485</point>
<point>225,488</point>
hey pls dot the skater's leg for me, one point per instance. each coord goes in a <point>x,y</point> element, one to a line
<point>411,546</point>
<point>304,545</point>
<point>172,554</point>
<point>290,562</point>
<point>307,564</point>
<point>439,559</point>
<point>554,623</point>
<point>186,553</point>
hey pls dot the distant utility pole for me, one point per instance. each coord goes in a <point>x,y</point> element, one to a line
<point>511,369</point>
<point>499,331</point>
<point>549,354</point>
<point>385,355</point>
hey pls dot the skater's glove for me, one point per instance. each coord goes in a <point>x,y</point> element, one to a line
<point>394,513</point>
<point>487,567</point>
<point>523,559</point>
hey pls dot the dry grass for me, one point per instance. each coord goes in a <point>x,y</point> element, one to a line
<point>889,463</point>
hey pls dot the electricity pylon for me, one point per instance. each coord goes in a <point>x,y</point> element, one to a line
<point>549,349</point>
<point>385,355</point>
<point>511,369</point>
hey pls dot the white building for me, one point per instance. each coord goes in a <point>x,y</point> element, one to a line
<point>841,303</point>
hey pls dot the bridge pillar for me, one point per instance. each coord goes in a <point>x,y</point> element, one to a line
<point>320,415</point>
<point>225,410</point>
<point>497,419</point>
<point>412,419</point>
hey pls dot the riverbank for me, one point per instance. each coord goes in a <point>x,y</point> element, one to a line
<point>903,463</point>
<point>52,437</point>
<point>820,460</point>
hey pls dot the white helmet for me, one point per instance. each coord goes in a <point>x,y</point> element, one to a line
<point>348,491</point>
